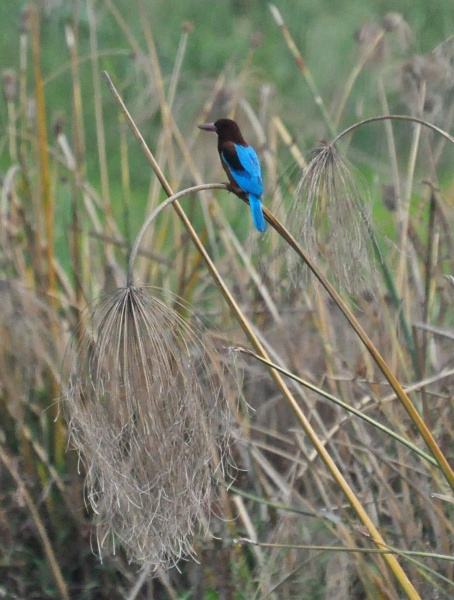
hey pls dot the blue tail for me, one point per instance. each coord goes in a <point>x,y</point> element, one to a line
<point>256,211</point>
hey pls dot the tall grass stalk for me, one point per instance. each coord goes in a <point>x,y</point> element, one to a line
<point>48,287</point>
<point>100,132</point>
<point>76,163</point>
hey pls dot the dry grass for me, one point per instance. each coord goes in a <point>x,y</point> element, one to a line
<point>325,504</point>
<point>147,413</point>
<point>331,213</point>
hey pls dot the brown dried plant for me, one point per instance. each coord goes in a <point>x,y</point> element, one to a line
<point>28,350</point>
<point>334,221</point>
<point>146,414</point>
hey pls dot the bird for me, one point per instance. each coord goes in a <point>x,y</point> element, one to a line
<point>241,164</point>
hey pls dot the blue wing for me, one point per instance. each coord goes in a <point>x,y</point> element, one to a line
<point>245,170</point>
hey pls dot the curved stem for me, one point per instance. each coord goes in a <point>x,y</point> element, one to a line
<point>152,216</point>
<point>393,118</point>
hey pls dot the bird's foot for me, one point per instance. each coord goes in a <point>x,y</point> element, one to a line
<point>234,189</point>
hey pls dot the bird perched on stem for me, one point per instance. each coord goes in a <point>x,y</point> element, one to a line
<point>241,164</point>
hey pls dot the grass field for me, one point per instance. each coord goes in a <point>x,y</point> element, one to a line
<point>203,411</point>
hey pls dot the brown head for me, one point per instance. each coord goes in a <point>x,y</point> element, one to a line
<point>227,131</point>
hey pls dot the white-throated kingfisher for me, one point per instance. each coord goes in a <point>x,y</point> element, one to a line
<point>241,164</point>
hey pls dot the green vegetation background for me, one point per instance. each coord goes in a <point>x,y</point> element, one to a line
<point>323,30</point>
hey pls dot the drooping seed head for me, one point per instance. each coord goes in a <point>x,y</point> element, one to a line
<point>146,413</point>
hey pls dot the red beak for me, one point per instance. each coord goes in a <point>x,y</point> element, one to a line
<point>207,127</point>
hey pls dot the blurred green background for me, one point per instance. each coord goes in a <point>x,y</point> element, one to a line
<point>222,33</point>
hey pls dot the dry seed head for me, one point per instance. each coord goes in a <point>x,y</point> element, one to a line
<point>433,107</point>
<point>432,69</point>
<point>29,350</point>
<point>369,34</point>
<point>395,23</point>
<point>366,33</point>
<point>256,39</point>
<point>437,73</point>
<point>146,413</point>
<point>389,197</point>
<point>331,218</point>
<point>9,82</point>
<point>57,124</point>
<point>24,22</point>
<point>392,21</point>
<point>225,98</point>
<point>187,27</point>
